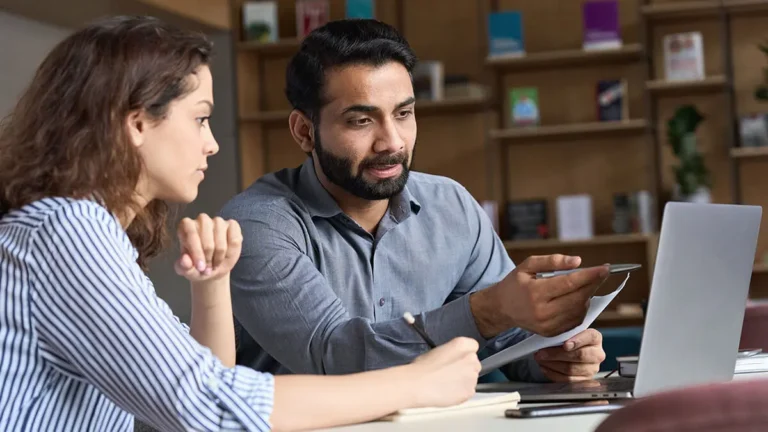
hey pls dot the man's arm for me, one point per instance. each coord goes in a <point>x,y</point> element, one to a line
<point>288,307</point>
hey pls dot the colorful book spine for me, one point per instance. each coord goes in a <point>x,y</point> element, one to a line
<point>601,25</point>
<point>310,14</point>
<point>360,9</point>
<point>524,106</point>
<point>505,34</point>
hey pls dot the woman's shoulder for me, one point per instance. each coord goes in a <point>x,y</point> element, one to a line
<point>62,208</point>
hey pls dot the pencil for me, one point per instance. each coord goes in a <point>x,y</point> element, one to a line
<point>412,321</point>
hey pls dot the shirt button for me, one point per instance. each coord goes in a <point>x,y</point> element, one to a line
<point>382,301</point>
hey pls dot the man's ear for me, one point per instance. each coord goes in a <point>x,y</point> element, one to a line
<point>302,130</point>
<point>136,124</point>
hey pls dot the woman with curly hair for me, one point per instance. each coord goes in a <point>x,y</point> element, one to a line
<point>114,126</point>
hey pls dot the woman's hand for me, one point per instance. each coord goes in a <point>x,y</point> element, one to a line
<point>447,375</point>
<point>209,248</point>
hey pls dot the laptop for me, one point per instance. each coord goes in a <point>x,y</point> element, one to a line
<point>695,308</point>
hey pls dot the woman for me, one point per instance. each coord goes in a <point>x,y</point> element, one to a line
<point>113,126</point>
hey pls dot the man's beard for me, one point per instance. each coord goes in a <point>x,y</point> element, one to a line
<point>339,171</point>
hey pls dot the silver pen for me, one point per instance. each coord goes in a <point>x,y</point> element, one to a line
<point>613,268</point>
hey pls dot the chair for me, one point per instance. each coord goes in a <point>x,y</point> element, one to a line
<point>737,406</point>
<point>754,331</point>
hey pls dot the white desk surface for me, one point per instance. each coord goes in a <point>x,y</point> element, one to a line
<point>492,419</point>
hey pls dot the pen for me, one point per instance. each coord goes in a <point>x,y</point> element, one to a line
<point>614,268</point>
<point>412,321</point>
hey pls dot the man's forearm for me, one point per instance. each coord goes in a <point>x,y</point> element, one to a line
<point>212,324</point>
<point>487,313</point>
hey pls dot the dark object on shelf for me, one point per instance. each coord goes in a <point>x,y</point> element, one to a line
<point>527,220</point>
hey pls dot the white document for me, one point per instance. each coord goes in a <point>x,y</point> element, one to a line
<point>535,343</point>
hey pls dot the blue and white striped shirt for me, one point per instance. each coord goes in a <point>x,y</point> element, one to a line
<point>85,342</point>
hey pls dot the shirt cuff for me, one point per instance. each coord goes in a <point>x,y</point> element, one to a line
<point>453,320</point>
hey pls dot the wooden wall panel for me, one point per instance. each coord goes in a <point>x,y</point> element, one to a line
<point>282,150</point>
<point>454,146</point>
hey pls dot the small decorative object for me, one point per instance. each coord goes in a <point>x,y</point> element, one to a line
<point>684,56</point>
<point>612,100</point>
<point>527,220</point>
<point>505,34</point>
<point>761,92</point>
<point>574,217</point>
<point>360,9</point>
<point>692,178</point>
<point>753,129</point>
<point>601,25</point>
<point>311,14</point>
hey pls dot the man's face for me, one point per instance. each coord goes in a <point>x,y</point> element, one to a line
<point>367,131</point>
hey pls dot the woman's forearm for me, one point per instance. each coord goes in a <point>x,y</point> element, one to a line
<point>212,323</point>
<point>303,401</point>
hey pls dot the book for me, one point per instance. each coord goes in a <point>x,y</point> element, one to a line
<point>612,100</point>
<point>527,220</point>
<point>260,21</point>
<point>505,34</point>
<point>524,106</point>
<point>361,9</point>
<point>683,56</point>
<point>497,401</point>
<point>574,217</point>
<point>601,25</point>
<point>428,80</point>
<point>311,14</point>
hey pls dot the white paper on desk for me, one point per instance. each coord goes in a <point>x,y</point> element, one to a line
<point>534,343</point>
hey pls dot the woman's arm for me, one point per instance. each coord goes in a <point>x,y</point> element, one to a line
<point>212,324</point>
<point>445,376</point>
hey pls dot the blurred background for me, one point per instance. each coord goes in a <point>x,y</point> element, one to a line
<point>571,121</point>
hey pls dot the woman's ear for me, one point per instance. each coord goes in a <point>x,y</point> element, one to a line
<point>302,130</point>
<point>135,123</point>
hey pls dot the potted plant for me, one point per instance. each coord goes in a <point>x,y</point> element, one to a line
<point>761,92</point>
<point>692,178</point>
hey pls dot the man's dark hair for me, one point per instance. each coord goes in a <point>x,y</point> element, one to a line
<point>340,43</point>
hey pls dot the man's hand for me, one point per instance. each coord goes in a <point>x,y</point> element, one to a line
<point>547,307</point>
<point>577,360</point>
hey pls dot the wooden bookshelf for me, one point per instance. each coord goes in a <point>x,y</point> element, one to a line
<point>749,152</point>
<point>760,269</point>
<point>601,240</point>
<point>562,58</point>
<point>266,116</point>
<point>746,6</point>
<point>682,88</point>
<point>281,47</point>
<point>681,9</point>
<point>568,131</point>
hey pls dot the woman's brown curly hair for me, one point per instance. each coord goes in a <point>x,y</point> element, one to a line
<point>67,135</point>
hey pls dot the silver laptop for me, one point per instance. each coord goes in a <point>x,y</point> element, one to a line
<point>695,309</point>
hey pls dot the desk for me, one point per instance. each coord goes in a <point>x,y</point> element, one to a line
<point>491,420</point>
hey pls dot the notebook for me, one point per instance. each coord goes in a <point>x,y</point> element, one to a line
<point>502,401</point>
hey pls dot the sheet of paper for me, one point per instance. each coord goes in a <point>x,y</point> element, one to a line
<point>500,400</point>
<point>534,343</point>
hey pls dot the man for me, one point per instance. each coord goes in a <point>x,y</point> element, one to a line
<point>335,251</point>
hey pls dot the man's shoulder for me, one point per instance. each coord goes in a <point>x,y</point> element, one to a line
<point>273,195</point>
<point>429,188</point>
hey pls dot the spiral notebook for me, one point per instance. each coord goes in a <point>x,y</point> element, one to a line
<point>502,401</point>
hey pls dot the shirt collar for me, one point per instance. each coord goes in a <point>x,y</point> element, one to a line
<point>320,203</point>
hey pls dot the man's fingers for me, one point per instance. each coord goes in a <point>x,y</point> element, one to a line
<point>583,370</point>
<point>585,338</point>
<point>190,243</point>
<point>586,355</point>
<point>544,263</point>
<point>557,376</point>
<point>587,279</point>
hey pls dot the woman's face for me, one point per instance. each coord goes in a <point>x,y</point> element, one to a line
<point>175,149</point>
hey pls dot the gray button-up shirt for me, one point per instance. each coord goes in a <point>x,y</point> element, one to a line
<point>313,292</point>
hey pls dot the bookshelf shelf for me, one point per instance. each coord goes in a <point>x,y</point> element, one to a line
<point>682,9</point>
<point>760,269</point>
<point>576,57</point>
<point>595,241</point>
<point>749,152</point>
<point>462,105</point>
<point>569,131</point>
<point>676,88</point>
<point>286,46</point>
<point>746,6</point>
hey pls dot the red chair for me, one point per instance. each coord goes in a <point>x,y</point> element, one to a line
<point>737,406</point>
<point>754,331</point>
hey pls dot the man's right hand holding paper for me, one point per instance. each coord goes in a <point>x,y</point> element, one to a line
<point>547,307</point>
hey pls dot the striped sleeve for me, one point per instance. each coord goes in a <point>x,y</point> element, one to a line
<point>95,317</point>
